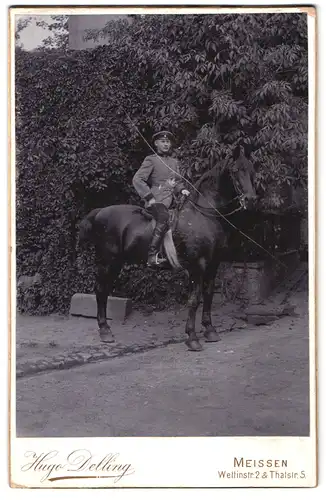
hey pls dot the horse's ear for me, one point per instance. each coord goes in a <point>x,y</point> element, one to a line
<point>236,152</point>
<point>247,149</point>
<point>240,150</point>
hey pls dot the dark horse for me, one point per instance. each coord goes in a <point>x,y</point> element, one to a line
<point>121,234</point>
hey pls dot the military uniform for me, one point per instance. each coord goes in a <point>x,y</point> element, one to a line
<point>156,181</point>
<point>158,178</point>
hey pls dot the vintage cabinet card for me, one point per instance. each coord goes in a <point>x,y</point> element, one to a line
<point>163,247</point>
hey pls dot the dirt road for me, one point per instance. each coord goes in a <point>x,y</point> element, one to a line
<point>253,382</point>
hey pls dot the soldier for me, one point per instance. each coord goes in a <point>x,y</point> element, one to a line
<point>156,181</point>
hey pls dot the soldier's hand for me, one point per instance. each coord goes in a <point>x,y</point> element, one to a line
<point>185,192</point>
<point>151,202</point>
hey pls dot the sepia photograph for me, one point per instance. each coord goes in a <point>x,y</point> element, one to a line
<point>162,278</point>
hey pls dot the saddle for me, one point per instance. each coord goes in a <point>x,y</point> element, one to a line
<point>173,213</point>
<point>173,216</point>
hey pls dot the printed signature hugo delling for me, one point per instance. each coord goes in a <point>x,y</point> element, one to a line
<point>52,468</point>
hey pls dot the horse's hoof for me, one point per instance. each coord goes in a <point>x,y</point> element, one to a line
<point>194,345</point>
<point>107,337</point>
<point>212,336</point>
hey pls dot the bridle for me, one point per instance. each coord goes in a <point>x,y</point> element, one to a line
<point>211,212</point>
<point>240,195</point>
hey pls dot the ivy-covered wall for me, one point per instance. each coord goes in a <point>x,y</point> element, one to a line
<point>215,81</point>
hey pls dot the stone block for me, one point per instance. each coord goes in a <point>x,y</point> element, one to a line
<point>84,304</point>
<point>243,281</point>
<point>26,282</point>
<point>254,281</point>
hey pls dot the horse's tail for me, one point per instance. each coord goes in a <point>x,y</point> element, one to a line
<point>86,227</point>
<point>170,250</point>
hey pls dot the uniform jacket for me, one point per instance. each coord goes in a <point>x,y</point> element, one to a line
<point>155,180</point>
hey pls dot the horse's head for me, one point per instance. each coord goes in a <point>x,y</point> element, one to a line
<point>229,181</point>
<point>242,173</point>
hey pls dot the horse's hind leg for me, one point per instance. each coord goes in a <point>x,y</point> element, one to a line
<point>106,276</point>
<point>208,292</point>
<point>195,276</point>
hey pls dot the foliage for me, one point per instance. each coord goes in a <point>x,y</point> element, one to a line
<point>68,161</point>
<point>56,25</point>
<point>58,38</point>
<point>160,289</point>
<point>21,23</point>
<point>216,81</point>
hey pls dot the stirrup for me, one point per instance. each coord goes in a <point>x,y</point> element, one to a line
<point>158,261</point>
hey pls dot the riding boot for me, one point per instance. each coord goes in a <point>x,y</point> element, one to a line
<point>153,258</point>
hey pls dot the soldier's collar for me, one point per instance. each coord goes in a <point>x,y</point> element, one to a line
<point>164,155</point>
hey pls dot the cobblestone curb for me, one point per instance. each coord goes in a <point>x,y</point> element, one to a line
<point>91,354</point>
<point>85,354</point>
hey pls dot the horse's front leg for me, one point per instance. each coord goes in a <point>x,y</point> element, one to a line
<point>106,276</point>
<point>193,302</point>
<point>208,292</point>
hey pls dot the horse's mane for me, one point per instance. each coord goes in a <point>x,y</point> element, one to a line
<point>213,174</point>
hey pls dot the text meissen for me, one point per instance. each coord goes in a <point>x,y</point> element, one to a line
<point>250,462</point>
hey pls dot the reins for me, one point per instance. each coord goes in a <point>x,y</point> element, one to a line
<point>202,210</point>
<point>211,206</point>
